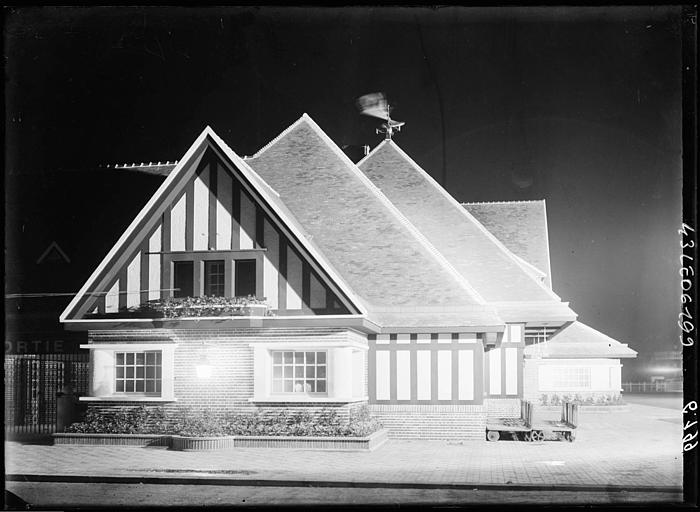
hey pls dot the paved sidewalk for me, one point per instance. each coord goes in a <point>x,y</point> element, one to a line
<point>637,448</point>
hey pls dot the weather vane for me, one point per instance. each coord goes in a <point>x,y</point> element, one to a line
<point>376,105</point>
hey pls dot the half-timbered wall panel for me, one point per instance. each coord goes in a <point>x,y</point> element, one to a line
<point>133,282</point>
<point>271,259</point>
<point>247,229</point>
<point>503,371</point>
<point>200,235</point>
<point>224,209</point>
<point>294,280</point>
<point>178,214</point>
<point>213,217</point>
<point>154,271</point>
<point>112,298</point>
<point>425,369</point>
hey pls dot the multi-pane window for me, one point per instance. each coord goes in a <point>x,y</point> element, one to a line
<point>534,335</point>
<point>214,278</point>
<point>138,372</point>
<point>570,377</point>
<point>299,372</point>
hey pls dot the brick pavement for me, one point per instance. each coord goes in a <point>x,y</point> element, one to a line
<point>636,448</point>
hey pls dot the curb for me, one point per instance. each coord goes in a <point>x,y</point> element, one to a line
<point>248,482</point>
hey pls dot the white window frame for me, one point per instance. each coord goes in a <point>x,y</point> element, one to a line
<point>293,365</point>
<point>345,377</point>
<point>103,374</point>
<point>125,366</point>
<point>550,378</point>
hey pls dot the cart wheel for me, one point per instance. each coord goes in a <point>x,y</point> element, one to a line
<point>537,435</point>
<point>493,435</point>
<point>571,436</point>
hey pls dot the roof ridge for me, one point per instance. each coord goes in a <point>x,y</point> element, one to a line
<point>278,137</point>
<point>394,210</point>
<point>473,219</point>
<point>505,202</point>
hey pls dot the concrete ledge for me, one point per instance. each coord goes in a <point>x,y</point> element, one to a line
<point>197,444</point>
<point>182,443</point>
<point>588,408</point>
<point>370,442</point>
<point>112,439</point>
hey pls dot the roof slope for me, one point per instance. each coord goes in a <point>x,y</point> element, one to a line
<point>382,257</point>
<point>521,226</point>
<point>579,340</point>
<point>486,263</point>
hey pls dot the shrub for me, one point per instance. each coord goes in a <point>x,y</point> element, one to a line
<point>204,423</point>
<point>135,420</point>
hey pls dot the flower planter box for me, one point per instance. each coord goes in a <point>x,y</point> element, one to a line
<point>369,443</point>
<point>182,443</point>
<point>112,439</point>
<point>197,444</point>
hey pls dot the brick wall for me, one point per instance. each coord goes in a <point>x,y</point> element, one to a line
<point>454,422</point>
<point>230,387</point>
<point>502,407</point>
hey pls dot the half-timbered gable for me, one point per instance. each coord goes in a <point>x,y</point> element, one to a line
<point>213,230</point>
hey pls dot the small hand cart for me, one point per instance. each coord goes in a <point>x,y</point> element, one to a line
<point>524,428</point>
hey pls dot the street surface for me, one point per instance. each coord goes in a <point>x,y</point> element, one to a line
<point>628,456</point>
<point>115,495</point>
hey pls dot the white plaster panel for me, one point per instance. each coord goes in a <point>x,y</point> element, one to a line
<point>154,245</point>
<point>133,282</point>
<point>511,355</point>
<point>466,375</point>
<point>423,374</point>
<point>403,375</point>
<point>271,266</point>
<point>112,298</point>
<point>293,280</point>
<point>224,201</point>
<point>383,375</point>
<point>444,360</point>
<point>178,215</point>
<point>494,357</point>
<point>200,236</point>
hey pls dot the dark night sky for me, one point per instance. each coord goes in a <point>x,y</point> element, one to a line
<point>578,106</point>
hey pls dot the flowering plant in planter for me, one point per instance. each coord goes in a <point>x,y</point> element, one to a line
<point>203,306</point>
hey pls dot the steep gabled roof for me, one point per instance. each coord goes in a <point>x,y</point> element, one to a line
<point>140,228</point>
<point>579,340</point>
<point>493,270</point>
<point>521,226</point>
<point>398,273</point>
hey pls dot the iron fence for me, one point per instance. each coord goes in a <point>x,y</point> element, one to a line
<point>653,387</point>
<point>32,382</point>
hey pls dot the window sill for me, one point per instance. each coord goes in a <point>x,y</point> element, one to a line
<point>126,399</point>
<point>306,399</point>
